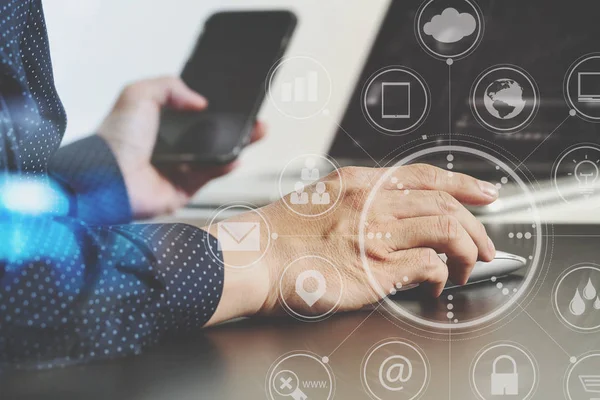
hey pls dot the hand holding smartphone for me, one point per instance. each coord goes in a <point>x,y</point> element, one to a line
<point>229,66</point>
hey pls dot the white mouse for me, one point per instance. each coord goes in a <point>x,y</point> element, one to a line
<point>502,265</point>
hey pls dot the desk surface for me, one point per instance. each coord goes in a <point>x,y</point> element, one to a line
<point>231,361</point>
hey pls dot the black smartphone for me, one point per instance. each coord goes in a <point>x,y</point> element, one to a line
<point>229,66</point>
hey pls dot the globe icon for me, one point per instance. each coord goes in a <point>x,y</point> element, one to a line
<point>503,99</point>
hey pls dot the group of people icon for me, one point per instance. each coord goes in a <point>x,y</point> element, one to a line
<point>310,174</point>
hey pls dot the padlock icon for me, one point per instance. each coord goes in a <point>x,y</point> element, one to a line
<point>505,384</point>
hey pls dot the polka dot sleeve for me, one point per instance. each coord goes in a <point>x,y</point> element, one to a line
<point>76,294</point>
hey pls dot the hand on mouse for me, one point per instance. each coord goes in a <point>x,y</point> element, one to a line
<point>131,130</point>
<point>430,219</point>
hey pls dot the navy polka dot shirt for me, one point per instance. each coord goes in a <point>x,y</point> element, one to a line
<point>77,283</point>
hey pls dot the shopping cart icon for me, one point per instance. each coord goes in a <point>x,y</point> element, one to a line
<point>591,384</point>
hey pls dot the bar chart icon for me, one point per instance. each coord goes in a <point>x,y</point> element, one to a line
<point>304,89</point>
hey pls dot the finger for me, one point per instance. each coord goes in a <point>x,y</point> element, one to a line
<point>421,265</point>
<point>428,203</point>
<point>444,234</point>
<point>464,188</point>
<point>259,132</point>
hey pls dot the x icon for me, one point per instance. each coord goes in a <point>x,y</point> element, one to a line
<point>285,383</point>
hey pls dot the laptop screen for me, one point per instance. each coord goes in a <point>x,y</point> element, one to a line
<point>543,37</point>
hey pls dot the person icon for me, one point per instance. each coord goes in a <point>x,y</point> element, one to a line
<point>321,197</point>
<point>299,196</point>
<point>309,172</point>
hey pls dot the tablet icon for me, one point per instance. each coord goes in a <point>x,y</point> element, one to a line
<point>395,100</point>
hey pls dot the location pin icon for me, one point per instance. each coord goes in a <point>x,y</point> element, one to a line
<point>311,298</point>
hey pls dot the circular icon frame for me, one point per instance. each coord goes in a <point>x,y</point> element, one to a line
<point>445,57</point>
<point>303,317</point>
<point>272,74</point>
<point>567,83</point>
<point>320,360</point>
<point>557,310</point>
<point>474,102</point>
<point>562,157</point>
<point>284,196</point>
<point>530,282</point>
<point>365,94</point>
<point>511,345</point>
<point>251,208</point>
<point>574,364</point>
<point>415,348</point>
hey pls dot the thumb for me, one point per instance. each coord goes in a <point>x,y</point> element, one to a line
<point>181,97</point>
<point>164,92</point>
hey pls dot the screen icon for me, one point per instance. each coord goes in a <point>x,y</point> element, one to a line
<point>395,100</point>
<point>588,84</point>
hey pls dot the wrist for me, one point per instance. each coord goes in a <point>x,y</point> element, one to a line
<point>245,290</point>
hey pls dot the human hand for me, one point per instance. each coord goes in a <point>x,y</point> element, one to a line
<point>429,220</point>
<point>131,130</point>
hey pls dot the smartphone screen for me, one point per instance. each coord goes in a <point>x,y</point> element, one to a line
<point>229,66</point>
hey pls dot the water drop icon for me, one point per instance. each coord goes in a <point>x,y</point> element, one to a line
<point>597,304</point>
<point>577,305</point>
<point>589,292</point>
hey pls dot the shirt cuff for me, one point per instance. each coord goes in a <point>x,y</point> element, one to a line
<point>90,171</point>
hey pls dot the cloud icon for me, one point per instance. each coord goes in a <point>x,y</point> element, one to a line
<point>450,26</point>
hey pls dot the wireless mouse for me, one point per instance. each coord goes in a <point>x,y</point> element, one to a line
<point>502,265</point>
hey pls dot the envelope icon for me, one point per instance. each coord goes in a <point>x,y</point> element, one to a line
<point>239,236</point>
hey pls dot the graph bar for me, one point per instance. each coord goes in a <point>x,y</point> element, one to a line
<point>313,86</point>
<point>300,89</point>
<point>286,92</point>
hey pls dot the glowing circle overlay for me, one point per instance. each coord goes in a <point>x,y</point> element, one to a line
<point>478,322</point>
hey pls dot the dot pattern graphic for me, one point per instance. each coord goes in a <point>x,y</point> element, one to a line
<point>79,285</point>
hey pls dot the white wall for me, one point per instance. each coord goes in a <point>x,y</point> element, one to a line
<point>100,45</point>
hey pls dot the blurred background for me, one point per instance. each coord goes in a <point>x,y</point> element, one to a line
<point>98,46</point>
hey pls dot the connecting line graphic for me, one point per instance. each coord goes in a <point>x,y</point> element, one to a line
<point>543,141</point>
<point>450,361</point>
<point>358,144</point>
<point>354,330</point>
<point>545,331</point>
<point>450,105</point>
